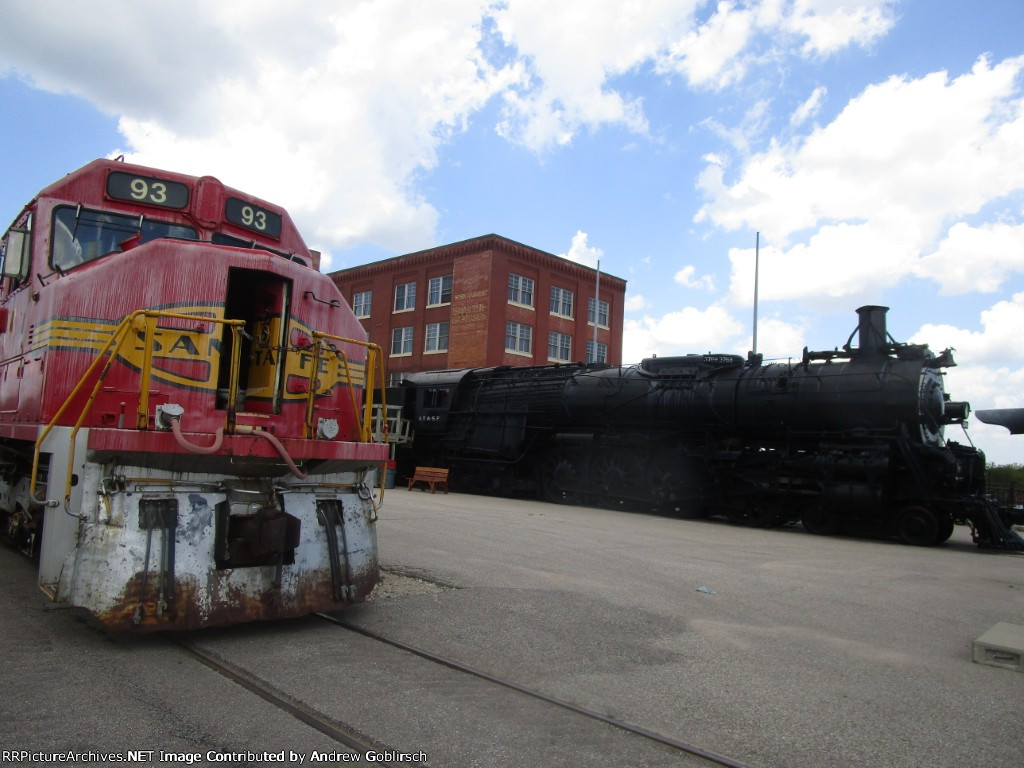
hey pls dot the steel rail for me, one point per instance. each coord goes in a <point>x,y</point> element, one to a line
<point>299,711</point>
<point>636,730</point>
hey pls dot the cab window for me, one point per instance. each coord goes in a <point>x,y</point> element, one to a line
<point>81,235</point>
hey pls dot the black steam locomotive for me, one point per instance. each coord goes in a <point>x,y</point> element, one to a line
<point>850,437</point>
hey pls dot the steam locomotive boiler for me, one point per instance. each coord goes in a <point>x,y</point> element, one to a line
<point>838,437</point>
<point>184,417</point>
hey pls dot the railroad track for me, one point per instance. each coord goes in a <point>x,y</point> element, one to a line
<point>360,743</point>
<point>354,741</point>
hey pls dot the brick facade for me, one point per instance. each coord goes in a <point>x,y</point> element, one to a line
<point>479,287</point>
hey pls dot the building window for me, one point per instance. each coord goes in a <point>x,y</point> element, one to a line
<point>602,352</point>
<point>518,338</point>
<point>520,290</point>
<point>361,303</point>
<point>437,337</point>
<point>561,302</point>
<point>395,379</point>
<point>439,291</point>
<point>405,297</point>
<point>401,341</point>
<point>559,346</point>
<point>602,313</point>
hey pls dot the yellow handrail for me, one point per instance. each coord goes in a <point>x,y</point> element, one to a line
<point>116,341</point>
<point>374,360</point>
<point>144,321</point>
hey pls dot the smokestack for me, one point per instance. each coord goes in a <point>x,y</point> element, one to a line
<point>873,337</point>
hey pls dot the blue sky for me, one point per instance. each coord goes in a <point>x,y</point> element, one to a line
<point>876,145</point>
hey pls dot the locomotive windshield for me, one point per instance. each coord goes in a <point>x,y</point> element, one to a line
<point>220,238</point>
<point>81,235</point>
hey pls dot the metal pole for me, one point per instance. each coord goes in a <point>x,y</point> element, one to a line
<point>597,300</point>
<point>757,265</point>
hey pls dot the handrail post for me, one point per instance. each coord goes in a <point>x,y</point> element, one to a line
<point>236,356</point>
<point>149,341</point>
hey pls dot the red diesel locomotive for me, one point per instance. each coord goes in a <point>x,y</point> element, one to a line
<point>184,405</point>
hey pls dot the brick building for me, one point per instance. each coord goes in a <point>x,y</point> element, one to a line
<point>484,302</point>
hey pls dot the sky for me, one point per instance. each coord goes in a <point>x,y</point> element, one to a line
<point>865,151</point>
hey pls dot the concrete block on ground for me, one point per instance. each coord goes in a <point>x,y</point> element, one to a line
<point>1001,646</point>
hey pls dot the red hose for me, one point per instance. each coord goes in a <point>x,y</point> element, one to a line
<point>192,448</point>
<point>284,454</point>
<point>219,441</point>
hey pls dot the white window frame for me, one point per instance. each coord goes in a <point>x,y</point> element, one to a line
<point>518,333</point>
<point>561,345</point>
<point>408,294</point>
<point>362,303</point>
<point>434,337</point>
<point>521,290</point>
<point>602,352</point>
<point>438,287</point>
<point>561,302</point>
<point>603,313</point>
<point>403,342</point>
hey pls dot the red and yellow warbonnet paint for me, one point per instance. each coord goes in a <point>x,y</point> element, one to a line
<point>188,354</point>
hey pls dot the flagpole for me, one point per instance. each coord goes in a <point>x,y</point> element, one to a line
<point>757,260</point>
<point>597,303</point>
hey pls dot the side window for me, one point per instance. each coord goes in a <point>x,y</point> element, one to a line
<point>436,397</point>
<point>67,251</point>
<point>15,250</point>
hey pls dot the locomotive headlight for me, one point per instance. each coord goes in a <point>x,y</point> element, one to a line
<point>327,429</point>
<point>957,412</point>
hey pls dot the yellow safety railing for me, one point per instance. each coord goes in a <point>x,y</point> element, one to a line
<point>142,320</point>
<point>374,361</point>
<point>145,322</point>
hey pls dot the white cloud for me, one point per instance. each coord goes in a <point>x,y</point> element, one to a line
<point>738,36</point>
<point>711,54</point>
<point>336,110</point>
<point>635,302</point>
<point>777,338</point>
<point>331,112</point>
<point>975,258</point>
<point>998,343</point>
<point>867,194</point>
<point>687,278</point>
<point>686,331</point>
<point>809,108</point>
<point>830,25</point>
<point>570,50</point>
<point>742,135</point>
<point>582,252</point>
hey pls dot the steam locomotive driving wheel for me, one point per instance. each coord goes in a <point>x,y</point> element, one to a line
<point>612,475</point>
<point>561,477</point>
<point>921,527</point>
<point>820,520</point>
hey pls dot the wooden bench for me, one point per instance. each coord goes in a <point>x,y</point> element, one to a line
<point>432,476</point>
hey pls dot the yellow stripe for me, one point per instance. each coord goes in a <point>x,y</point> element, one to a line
<point>92,335</point>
